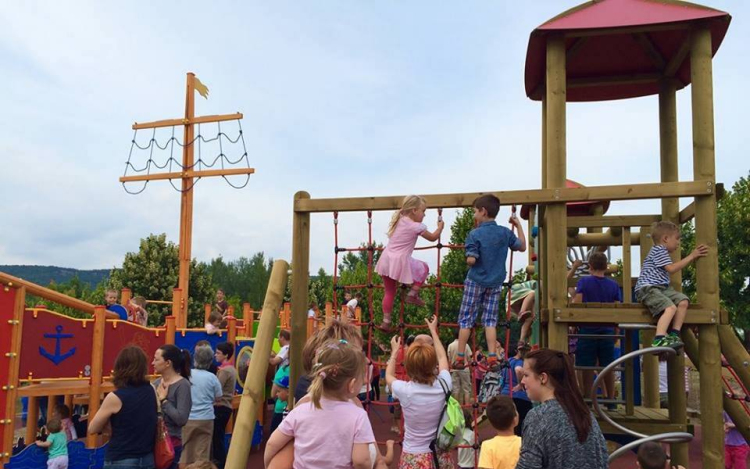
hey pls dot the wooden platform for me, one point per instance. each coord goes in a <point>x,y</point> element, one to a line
<point>644,420</point>
<point>616,313</point>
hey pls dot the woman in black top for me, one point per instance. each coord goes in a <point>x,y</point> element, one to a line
<point>131,412</point>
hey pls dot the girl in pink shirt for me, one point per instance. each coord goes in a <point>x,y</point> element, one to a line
<point>330,431</point>
<point>396,265</point>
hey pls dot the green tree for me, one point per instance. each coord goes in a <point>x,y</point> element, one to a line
<point>244,279</point>
<point>153,272</point>
<point>733,227</point>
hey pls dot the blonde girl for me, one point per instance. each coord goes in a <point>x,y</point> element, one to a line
<point>338,375</point>
<point>396,265</point>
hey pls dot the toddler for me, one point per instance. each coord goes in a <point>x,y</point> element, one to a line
<point>56,444</point>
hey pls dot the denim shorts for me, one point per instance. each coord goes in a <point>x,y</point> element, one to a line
<point>144,462</point>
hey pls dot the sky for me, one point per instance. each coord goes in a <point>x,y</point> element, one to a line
<point>340,99</point>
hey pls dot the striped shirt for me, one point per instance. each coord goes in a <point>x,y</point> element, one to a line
<point>653,272</point>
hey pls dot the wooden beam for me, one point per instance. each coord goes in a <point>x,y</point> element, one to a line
<point>706,268</point>
<point>627,279</point>
<point>650,49</point>
<point>535,196</point>
<point>183,121</point>
<point>47,294</point>
<point>687,213</point>
<point>625,30</point>
<point>638,78</point>
<point>299,291</point>
<point>601,239</point>
<point>97,363</point>
<point>612,221</point>
<point>676,61</point>
<point>15,329</point>
<point>188,174</point>
<point>612,315</point>
<point>575,48</point>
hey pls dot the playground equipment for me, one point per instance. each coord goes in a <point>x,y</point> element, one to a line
<point>661,48</point>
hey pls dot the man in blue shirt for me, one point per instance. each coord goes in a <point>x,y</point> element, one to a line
<point>596,288</point>
<point>486,252</point>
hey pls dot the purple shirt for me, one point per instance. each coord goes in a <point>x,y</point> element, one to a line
<point>733,437</point>
<point>598,290</point>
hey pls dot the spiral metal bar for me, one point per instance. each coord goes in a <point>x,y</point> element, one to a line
<point>672,437</point>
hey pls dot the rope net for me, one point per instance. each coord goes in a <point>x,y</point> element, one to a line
<point>217,159</point>
<point>476,407</point>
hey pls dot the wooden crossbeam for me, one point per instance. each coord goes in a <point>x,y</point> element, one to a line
<point>625,30</point>
<point>536,196</point>
<point>575,48</point>
<point>183,121</point>
<point>614,315</point>
<point>639,78</point>
<point>674,64</point>
<point>188,174</point>
<point>650,49</point>
<point>687,213</point>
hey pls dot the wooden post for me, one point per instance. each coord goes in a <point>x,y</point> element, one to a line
<point>329,313</point>
<point>14,363</point>
<point>32,418</point>
<point>707,268</point>
<point>169,335</point>
<point>670,210</point>
<point>177,305</point>
<point>125,295</point>
<point>186,201</point>
<point>650,362</point>
<point>735,353</point>
<point>541,239</point>
<point>247,312</point>
<point>627,267</point>
<point>253,392</point>
<point>555,227</point>
<point>207,308</point>
<point>232,332</point>
<point>300,281</point>
<point>629,375</point>
<point>97,359</point>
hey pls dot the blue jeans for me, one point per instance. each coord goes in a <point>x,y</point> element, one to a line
<point>144,462</point>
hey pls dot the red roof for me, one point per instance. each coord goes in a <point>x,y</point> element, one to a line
<point>653,35</point>
<point>574,209</point>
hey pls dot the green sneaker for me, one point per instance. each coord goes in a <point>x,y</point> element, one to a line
<point>674,341</point>
<point>662,342</point>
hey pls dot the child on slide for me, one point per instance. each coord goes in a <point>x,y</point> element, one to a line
<point>396,266</point>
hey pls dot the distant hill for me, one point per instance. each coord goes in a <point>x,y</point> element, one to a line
<point>46,274</point>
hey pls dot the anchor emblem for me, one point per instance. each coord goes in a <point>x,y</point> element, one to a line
<point>57,358</point>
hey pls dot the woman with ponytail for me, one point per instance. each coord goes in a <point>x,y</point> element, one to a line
<point>329,431</point>
<point>396,265</point>
<point>561,432</point>
<point>173,392</point>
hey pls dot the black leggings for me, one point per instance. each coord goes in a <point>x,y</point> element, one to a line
<point>523,407</point>
<point>375,383</point>
<point>222,414</point>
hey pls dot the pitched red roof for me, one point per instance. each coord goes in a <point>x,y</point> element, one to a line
<point>636,42</point>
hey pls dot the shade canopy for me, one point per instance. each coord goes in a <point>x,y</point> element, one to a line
<point>619,49</point>
<point>574,209</point>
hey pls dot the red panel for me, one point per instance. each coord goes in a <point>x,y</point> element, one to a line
<point>55,346</point>
<point>118,335</point>
<point>7,303</point>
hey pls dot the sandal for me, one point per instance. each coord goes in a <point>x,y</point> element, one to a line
<point>458,364</point>
<point>415,300</point>
<point>386,326</point>
<point>523,316</point>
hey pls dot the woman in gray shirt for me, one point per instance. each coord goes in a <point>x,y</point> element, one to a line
<point>560,433</point>
<point>173,391</point>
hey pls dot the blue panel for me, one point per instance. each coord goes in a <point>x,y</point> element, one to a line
<point>34,457</point>
<point>193,337</point>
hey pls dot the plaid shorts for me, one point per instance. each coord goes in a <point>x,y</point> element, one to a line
<point>474,296</point>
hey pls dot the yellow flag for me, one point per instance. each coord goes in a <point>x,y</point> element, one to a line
<point>200,87</point>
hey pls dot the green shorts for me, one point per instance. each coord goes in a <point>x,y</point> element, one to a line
<point>658,298</point>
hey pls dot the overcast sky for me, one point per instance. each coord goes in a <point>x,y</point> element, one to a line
<point>340,98</point>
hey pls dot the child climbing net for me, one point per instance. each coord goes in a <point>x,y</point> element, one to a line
<point>477,404</point>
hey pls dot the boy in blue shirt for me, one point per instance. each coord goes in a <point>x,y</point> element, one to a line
<point>486,251</point>
<point>653,290</point>
<point>596,288</point>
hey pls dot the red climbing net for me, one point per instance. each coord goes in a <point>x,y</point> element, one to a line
<point>476,407</point>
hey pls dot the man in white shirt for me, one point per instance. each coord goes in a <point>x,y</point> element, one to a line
<point>282,358</point>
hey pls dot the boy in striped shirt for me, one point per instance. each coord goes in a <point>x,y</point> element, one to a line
<point>653,290</point>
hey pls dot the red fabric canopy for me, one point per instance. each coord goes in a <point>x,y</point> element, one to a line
<point>621,63</point>
<point>574,209</point>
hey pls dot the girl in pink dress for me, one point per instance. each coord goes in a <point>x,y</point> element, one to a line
<point>396,265</point>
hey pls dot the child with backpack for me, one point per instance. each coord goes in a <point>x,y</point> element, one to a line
<point>423,398</point>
